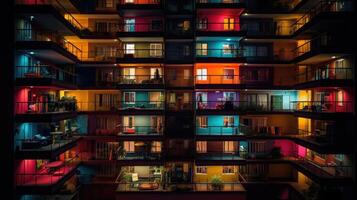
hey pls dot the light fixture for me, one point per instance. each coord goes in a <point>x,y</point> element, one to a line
<point>115,40</point>
<point>245,89</point>
<point>245,64</point>
<point>31,18</point>
<point>228,39</point>
<point>340,60</point>
<point>245,14</point>
<point>333,57</point>
<point>31,52</point>
<point>217,91</point>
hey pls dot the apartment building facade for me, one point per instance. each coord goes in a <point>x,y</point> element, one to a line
<point>241,99</point>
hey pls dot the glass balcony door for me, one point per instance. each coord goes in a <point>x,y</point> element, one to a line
<point>129,25</point>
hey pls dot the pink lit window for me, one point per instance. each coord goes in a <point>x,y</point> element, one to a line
<point>340,98</point>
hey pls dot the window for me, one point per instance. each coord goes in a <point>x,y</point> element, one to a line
<point>129,25</point>
<point>186,25</point>
<point>155,50</point>
<point>228,121</point>
<point>129,97</point>
<point>201,146</point>
<point>229,96</point>
<point>129,1</point>
<point>156,147</point>
<point>228,24</point>
<point>228,74</point>
<point>202,74</point>
<point>228,48</point>
<point>202,24</point>
<point>201,170</point>
<point>228,169</point>
<point>201,49</point>
<point>153,72</point>
<point>228,146</point>
<point>154,97</point>
<point>186,74</point>
<point>129,122</point>
<point>262,51</point>
<point>101,27</point>
<point>129,146</point>
<point>186,97</point>
<point>129,73</point>
<point>202,122</point>
<point>340,98</point>
<point>129,48</point>
<point>249,51</point>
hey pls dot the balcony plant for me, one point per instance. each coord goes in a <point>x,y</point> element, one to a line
<point>216,182</point>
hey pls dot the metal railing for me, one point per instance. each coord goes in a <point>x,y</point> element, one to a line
<point>120,130</point>
<point>322,6</point>
<point>58,6</point>
<point>140,155</point>
<point>219,53</point>
<point>120,105</point>
<point>219,1</point>
<point>179,105</point>
<point>45,71</point>
<point>142,27</point>
<point>34,107</point>
<point>179,81</point>
<point>139,2</point>
<point>141,53</point>
<point>107,55</point>
<point>322,106</point>
<point>47,36</point>
<point>325,73</point>
<point>46,143</point>
<point>221,155</point>
<point>47,175</point>
<point>218,79</point>
<point>239,106</point>
<point>218,26</point>
<point>223,130</point>
<point>140,79</point>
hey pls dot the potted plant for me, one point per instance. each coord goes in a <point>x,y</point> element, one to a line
<point>216,182</point>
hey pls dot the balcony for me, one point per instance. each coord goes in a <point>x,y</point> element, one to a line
<point>320,8</point>
<point>40,111</point>
<point>219,81</point>
<point>42,147</point>
<point>216,28</point>
<point>46,179</point>
<point>44,75</point>
<point>123,107</point>
<point>140,81</point>
<point>179,81</point>
<point>100,57</point>
<point>219,55</point>
<point>179,106</point>
<point>220,3</point>
<point>214,156</point>
<point>51,9</point>
<point>211,107</point>
<point>126,5</point>
<point>140,55</point>
<point>151,29</point>
<point>323,109</point>
<point>325,77</point>
<point>240,130</point>
<point>39,42</point>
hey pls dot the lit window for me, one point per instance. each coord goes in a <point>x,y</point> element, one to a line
<point>156,147</point>
<point>129,73</point>
<point>129,146</point>
<point>228,146</point>
<point>202,24</point>
<point>201,49</point>
<point>129,1</point>
<point>202,122</point>
<point>228,74</point>
<point>229,24</point>
<point>228,169</point>
<point>129,97</point>
<point>202,74</point>
<point>228,121</point>
<point>155,50</point>
<point>154,72</point>
<point>228,48</point>
<point>129,48</point>
<point>129,25</point>
<point>201,170</point>
<point>201,146</point>
<point>186,74</point>
<point>340,98</point>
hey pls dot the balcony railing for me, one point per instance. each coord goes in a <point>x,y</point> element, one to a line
<point>179,105</point>
<point>58,6</point>
<point>218,79</point>
<point>179,81</point>
<point>141,79</point>
<point>141,53</point>
<point>56,141</point>
<point>216,26</point>
<point>47,36</point>
<point>141,130</point>
<point>140,155</point>
<point>221,155</point>
<point>322,6</point>
<point>325,74</point>
<point>219,53</point>
<point>139,2</point>
<point>120,105</point>
<point>40,107</point>
<point>219,1</point>
<point>45,71</point>
<point>105,56</point>
<point>239,106</point>
<point>322,106</point>
<point>172,187</point>
<point>228,130</point>
<point>50,174</point>
<point>141,27</point>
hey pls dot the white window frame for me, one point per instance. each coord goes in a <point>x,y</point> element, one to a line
<point>202,49</point>
<point>133,94</point>
<point>203,121</point>
<point>129,48</point>
<point>155,49</point>
<point>202,74</point>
